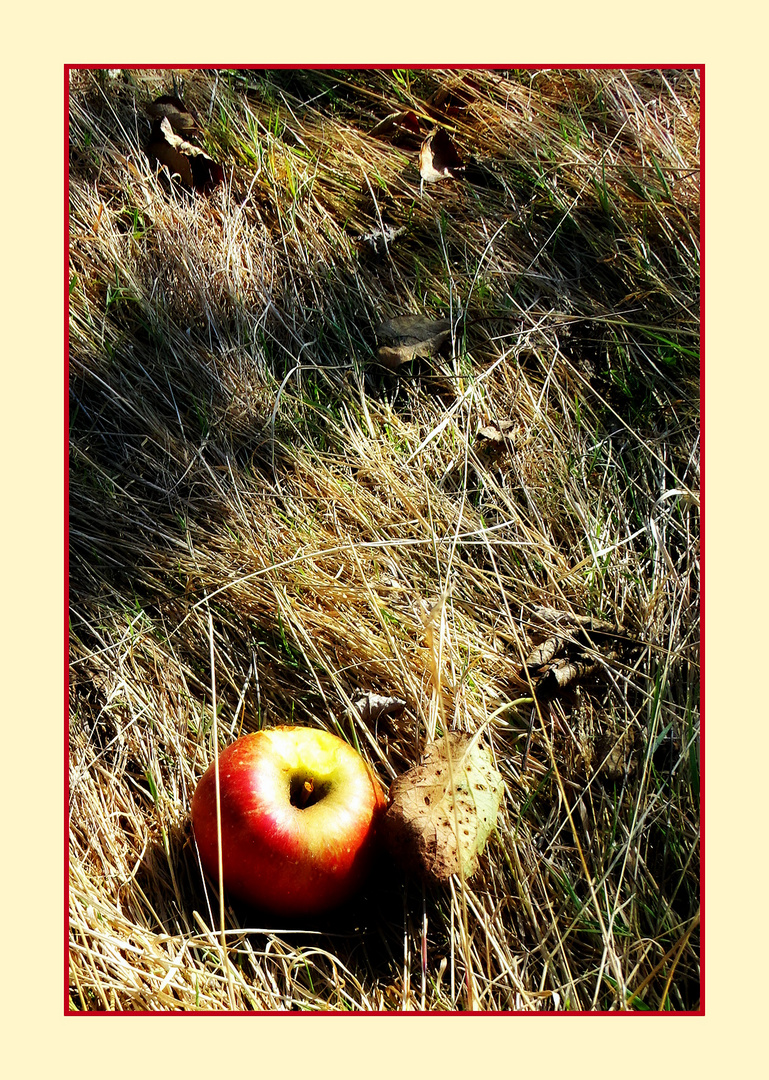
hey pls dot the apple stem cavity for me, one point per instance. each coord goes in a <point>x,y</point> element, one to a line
<point>305,792</point>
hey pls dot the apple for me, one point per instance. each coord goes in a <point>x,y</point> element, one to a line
<point>299,810</point>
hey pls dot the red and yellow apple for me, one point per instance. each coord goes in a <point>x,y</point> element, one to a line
<point>299,811</point>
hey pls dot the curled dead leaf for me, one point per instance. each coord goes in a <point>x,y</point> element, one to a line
<point>438,158</point>
<point>173,109</point>
<point>564,672</point>
<point>164,148</point>
<point>497,432</point>
<point>435,827</point>
<point>543,654</point>
<point>447,101</point>
<point>409,336</point>
<point>191,165</point>
<point>373,707</point>
<point>380,239</point>
<point>567,620</point>
<point>572,653</point>
<point>405,124</point>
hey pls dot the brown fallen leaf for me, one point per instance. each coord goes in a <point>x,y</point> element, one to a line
<point>181,119</point>
<point>438,158</point>
<point>567,620</point>
<point>447,101</point>
<point>193,167</point>
<point>398,123</point>
<point>373,707</point>
<point>380,239</point>
<point>164,147</point>
<point>565,672</point>
<point>409,336</point>
<point>497,432</point>
<point>543,654</point>
<point>571,653</point>
<point>426,809</point>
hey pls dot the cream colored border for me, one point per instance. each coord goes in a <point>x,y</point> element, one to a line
<point>38,42</point>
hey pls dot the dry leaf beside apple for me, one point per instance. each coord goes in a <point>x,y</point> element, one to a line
<point>442,812</point>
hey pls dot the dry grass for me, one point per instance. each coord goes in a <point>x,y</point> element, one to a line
<point>239,460</point>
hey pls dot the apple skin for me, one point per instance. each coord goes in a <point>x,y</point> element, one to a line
<point>276,855</point>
